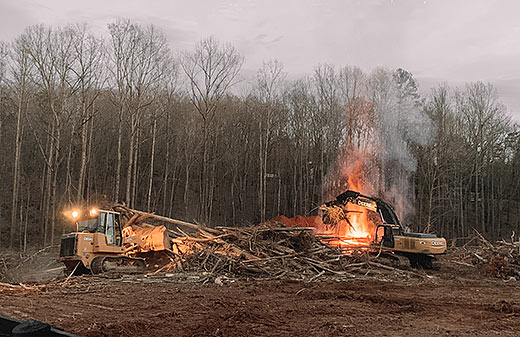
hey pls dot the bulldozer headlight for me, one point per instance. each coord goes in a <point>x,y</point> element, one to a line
<point>75,214</point>
<point>93,212</point>
<point>437,243</point>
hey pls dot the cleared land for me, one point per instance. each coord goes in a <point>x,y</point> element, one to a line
<point>457,300</point>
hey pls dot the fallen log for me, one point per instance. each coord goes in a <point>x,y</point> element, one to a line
<point>160,218</point>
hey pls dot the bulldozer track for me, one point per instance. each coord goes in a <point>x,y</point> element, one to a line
<point>119,264</point>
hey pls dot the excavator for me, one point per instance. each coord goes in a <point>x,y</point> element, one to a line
<point>97,244</point>
<point>389,235</point>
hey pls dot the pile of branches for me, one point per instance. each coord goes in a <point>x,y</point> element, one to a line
<point>10,261</point>
<point>272,251</point>
<point>269,250</point>
<point>7,261</point>
<point>501,260</point>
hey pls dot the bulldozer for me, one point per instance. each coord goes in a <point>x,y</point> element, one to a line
<point>389,235</point>
<point>97,244</point>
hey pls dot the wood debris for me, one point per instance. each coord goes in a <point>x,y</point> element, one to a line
<point>269,250</point>
<point>500,259</point>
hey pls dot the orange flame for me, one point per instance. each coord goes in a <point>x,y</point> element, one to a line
<point>351,227</point>
<point>357,229</point>
<point>356,179</point>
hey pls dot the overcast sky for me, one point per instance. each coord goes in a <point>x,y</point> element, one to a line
<point>437,40</point>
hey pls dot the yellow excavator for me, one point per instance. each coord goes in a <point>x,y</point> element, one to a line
<point>420,248</point>
<point>97,244</point>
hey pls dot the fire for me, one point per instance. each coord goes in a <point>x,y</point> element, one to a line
<point>349,227</point>
<point>352,226</point>
<point>354,229</point>
<point>355,178</point>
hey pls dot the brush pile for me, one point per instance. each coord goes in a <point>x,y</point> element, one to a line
<point>501,260</point>
<point>269,250</point>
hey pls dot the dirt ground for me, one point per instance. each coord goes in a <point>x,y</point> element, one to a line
<point>455,301</point>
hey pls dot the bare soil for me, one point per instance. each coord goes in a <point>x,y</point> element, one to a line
<point>455,301</point>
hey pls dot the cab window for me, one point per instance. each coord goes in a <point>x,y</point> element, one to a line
<point>110,228</point>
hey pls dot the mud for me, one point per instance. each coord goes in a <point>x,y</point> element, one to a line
<point>457,300</point>
<point>139,306</point>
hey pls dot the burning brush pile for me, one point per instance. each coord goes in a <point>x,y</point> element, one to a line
<point>270,250</point>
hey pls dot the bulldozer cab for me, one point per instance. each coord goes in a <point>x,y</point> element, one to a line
<point>105,222</point>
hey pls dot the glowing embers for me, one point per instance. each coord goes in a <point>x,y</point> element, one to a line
<point>347,242</point>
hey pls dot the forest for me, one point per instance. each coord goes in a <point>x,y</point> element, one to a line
<point>126,117</point>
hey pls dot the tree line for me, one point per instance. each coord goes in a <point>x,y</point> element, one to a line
<point>91,120</point>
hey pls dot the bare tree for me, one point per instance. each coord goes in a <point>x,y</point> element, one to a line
<point>164,107</point>
<point>211,70</point>
<point>4,51</point>
<point>141,56</point>
<point>302,127</point>
<point>51,52</point>
<point>484,120</point>
<point>20,68</point>
<point>123,43</point>
<point>269,84</point>
<point>331,122</point>
<point>89,70</point>
<point>168,103</point>
<point>360,118</point>
<point>434,164</point>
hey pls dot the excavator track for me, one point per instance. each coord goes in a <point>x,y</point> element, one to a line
<point>394,260</point>
<point>117,264</point>
<point>423,261</point>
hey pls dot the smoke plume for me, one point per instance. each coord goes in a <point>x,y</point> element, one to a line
<point>380,162</point>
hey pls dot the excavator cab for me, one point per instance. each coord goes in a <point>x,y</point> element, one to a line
<point>384,236</point>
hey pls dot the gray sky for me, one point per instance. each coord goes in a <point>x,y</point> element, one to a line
<point>437,40</point>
